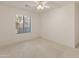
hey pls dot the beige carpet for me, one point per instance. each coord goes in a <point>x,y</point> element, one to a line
<point>38,48</point>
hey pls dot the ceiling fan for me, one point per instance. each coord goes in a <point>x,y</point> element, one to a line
<point>39,5</point>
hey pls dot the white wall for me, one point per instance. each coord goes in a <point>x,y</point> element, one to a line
<point>76,24</point>
<point>58,25</point>
<point>7,25</point>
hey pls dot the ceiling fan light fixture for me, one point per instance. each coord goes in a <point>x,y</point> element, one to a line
<point>40,7</point>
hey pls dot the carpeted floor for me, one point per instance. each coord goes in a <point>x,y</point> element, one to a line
<point>38,48</point>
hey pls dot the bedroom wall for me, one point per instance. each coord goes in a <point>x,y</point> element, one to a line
<point>7,25</point>
<point>58,25</point>
<point>76,24</point>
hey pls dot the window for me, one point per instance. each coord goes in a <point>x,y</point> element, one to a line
<point>23,24</point>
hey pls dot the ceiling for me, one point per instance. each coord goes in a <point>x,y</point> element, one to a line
<point>21,4</point>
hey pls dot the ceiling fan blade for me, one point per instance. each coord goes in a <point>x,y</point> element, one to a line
<point>46,6</point>
<point>44,2</point>
<point>37,2</point>
<point>31,6</point>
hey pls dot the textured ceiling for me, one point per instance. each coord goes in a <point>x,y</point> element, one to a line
<point>21,4</point>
